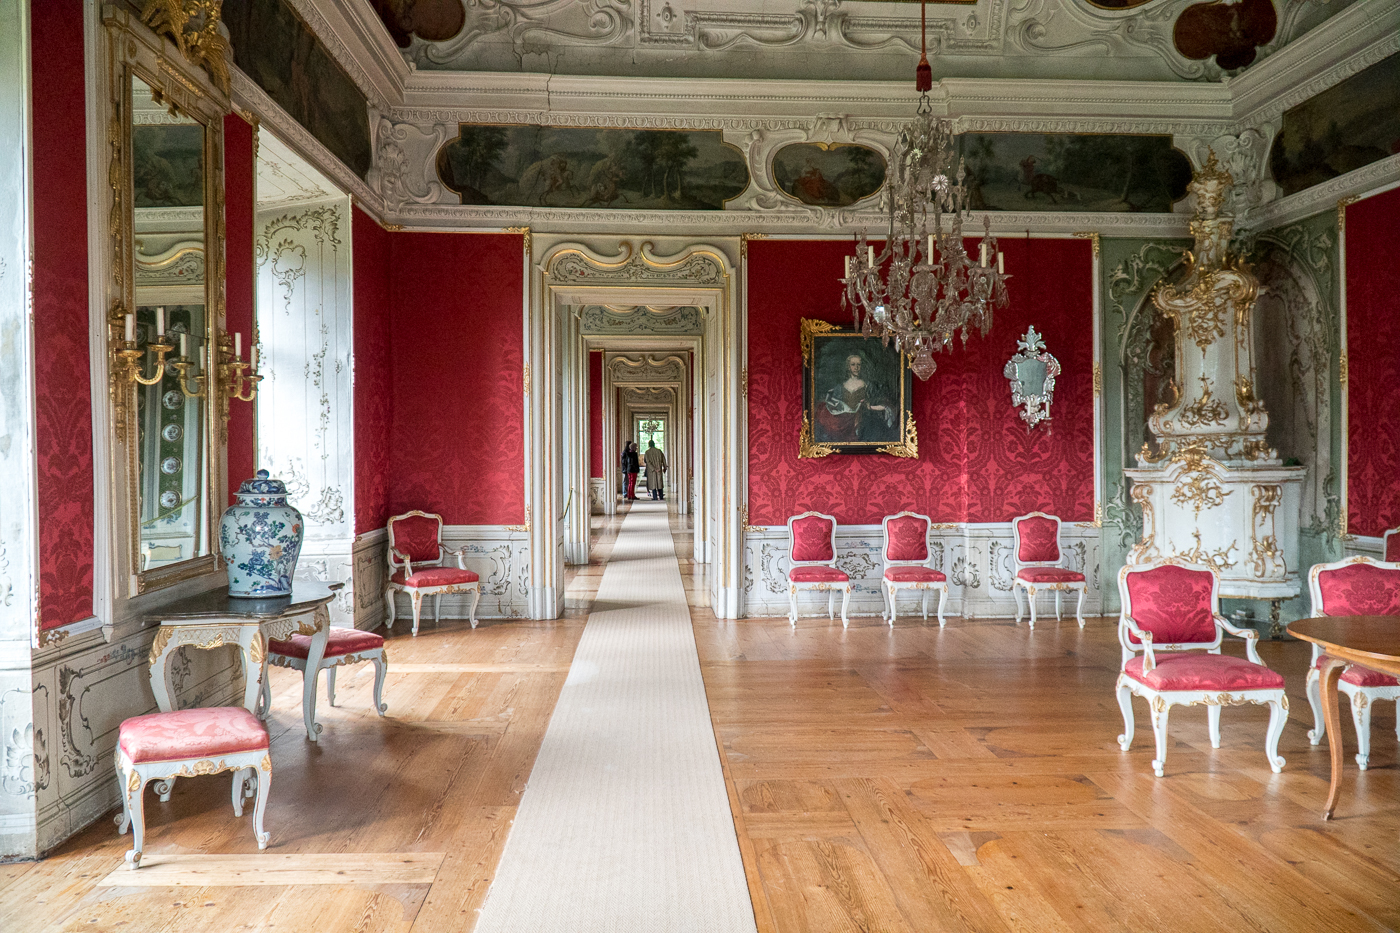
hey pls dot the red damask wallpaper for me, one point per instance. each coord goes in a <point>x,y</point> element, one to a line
<point>595,413</point>
<point>238,253</point>
<point>1373,357</point>
<point>63,430</point>
<point>976,460</point>
<point>373,380</point>
<point>457,358</point>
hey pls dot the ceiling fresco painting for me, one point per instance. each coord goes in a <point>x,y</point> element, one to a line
<point>1073,172</point>
<point>430,20</point>
<point>1340,130</point>
<point>828,176</point>
<point>1230,31</point>
<point>547,166</point>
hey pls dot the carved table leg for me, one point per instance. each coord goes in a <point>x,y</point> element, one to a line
<point>1275,627</point>
<point>160,669</point>
<point>315,652</point>
<point>1332,715</point>
<point>252,648</point>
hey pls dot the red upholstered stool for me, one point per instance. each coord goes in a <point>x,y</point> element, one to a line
<point>416,553</point>
<point>190,743</point>
<point>343,646</point>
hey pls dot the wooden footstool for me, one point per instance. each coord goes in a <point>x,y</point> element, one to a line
<point>191,743</point>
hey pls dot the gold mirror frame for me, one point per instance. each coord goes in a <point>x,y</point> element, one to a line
<point>134,51</point>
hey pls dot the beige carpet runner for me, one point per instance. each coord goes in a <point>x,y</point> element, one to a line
<point>625,824</point>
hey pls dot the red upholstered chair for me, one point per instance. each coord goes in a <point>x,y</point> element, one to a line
<point>1357,586</point>
<point>190,743</point>
<point>909,563</point>
<point>343,646</point>
<point>416,553</point>
<point>1390,546</point>
<point>812,556</point>
<point>1171,614</point>
<point>1037,559</point>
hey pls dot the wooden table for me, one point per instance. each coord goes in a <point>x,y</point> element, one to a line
<point>1371,641</point>
<point>213,619</point>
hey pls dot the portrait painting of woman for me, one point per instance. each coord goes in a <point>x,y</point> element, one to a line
<point>856,392</point>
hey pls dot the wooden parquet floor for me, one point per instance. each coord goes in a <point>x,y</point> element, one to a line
<point>912,779</point>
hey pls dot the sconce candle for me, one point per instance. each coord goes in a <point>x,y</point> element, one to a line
<point>160,323</point>
<point>131,328</point>
<point>1001,265</point>
<point>237,345</point>
<point>184,346</point>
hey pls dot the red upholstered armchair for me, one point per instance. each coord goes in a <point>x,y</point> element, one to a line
<point>812,560</point>
<point>909,563</point>
<point>1357,586</point>
<point>1037,559</point>
<point>1171,614</point>
<point>1390,546</point>
<point>416,553</point>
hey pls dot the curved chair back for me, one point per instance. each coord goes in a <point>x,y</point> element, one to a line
<point>906,539</point>
<point>1356,586</point>
<point>1037,540</point>
<point>812,539</point>
<point>1176,602</point>
<point>415,537</point>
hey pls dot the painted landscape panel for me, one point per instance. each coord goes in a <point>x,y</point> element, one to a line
<point>1073,172</point>
<point>583,167</point>
<point>1345,127</point>
<point>828,176</point>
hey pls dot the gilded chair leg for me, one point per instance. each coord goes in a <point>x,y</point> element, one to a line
<point>330,686</point>
<point>845,601</point>
<point>123,819</point>
<point>831,604</point>
<point>1079,609</point>
<point>1361,718</point>
<point>437,610</point>
<point>1278,716</point>
<point>1059,611</point>
<point>381,669</point>
<point>238,777</point>
<point>1125,703</point>
<point>942,603</point>
<point>885,593</point>
<point>1314,692</point>
<point>417,598</point>
<point>1213,721</point>
<point>264,776</point>
<point>476,598</point>
<point>1159,732</point>
<point>892,598</point>
<point>792,606</point>
<point>134,797</point>
<point>923,603</point>
<point>393,610</point>
<point>1030,598</point>
<point>1020,606</point>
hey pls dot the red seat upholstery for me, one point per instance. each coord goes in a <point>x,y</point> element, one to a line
<point>340,641</point>
<point>1049,575</point>
<point>817,575</point>
<point>1195,670</point>
<point>436,576</point>
<point>202,732</point>
<point>915,575</point>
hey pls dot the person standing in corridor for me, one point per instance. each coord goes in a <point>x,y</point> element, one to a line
<point>631,467</point>
<point>656,470</point>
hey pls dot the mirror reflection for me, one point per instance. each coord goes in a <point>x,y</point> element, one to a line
<point>1031,375</point>
<point>167,166</point>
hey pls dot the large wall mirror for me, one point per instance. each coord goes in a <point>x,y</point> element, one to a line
<point>167,317</point>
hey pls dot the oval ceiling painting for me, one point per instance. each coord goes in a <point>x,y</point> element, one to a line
<point>828,176</point>
<point>581,167</point>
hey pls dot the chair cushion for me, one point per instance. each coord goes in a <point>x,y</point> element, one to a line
<point>1049,575</point>
<point>817,575</point>
<point>1360,590</point>
<point>416,536</point>
<point>202,732</point>
<point>906,538</point>
<point>811,538</point>
<point>1363,676</point>
<point>1197,670</point>
<point>1039,539</point>
<point>339,642</point>
<point>1173,603</point>
<point>915,575</point>
<point>436,576</point>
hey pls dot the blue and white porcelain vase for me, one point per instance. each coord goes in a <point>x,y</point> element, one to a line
<point>260,538</point>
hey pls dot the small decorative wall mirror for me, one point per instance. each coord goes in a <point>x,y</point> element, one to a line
<point>1032,373</point>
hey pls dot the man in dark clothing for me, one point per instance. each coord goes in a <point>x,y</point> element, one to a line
<point>631,466</point>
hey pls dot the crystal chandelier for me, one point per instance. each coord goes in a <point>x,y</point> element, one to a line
<point>923,287</point>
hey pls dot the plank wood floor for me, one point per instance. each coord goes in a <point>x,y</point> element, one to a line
<point>908,780</point>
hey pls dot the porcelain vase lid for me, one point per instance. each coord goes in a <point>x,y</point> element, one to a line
<point>262,486</point>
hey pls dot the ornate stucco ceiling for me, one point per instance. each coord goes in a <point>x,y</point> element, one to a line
<point>1136,40</point>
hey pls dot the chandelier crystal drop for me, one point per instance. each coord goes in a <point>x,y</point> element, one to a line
<point>923,288</point>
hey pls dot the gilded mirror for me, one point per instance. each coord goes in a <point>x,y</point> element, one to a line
<point>167,225</point>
